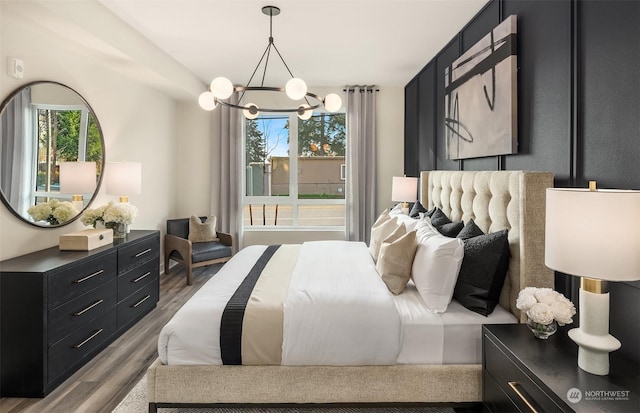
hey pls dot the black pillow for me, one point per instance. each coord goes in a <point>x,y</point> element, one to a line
<point>439,218</point>
<point>451,229</point>
<point>430,212</point>
<point>482,273</point>
<point>470,230</point>
<point>416,210</point>
<point>443,224</point>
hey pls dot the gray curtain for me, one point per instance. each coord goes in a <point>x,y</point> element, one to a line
<point>17,159</point>
<point>225,169</point>
<point>361,161</point>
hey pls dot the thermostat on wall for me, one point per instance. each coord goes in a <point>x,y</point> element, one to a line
<point>15,67</point>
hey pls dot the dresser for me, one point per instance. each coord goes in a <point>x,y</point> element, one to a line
<point>60,308</point>
<point>525,374</point>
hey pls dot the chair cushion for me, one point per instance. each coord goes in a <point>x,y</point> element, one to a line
<point>205,251</point>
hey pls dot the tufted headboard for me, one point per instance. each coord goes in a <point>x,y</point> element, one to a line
<point>496,200</point>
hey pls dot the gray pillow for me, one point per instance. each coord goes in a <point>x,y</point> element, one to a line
<point>416,209</point>
<point>203,231</point>
<point>451,229</point>
<point>443,224</point>
<point>482,273</point>
<point>470,230</point>
<point>439,218</point>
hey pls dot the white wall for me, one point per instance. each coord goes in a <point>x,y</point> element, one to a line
<point>139,119</point>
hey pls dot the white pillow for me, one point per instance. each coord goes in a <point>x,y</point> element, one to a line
<point>436,266</point>
<point>410,223</point>
<point>396,210</point>
<point>379,232</point>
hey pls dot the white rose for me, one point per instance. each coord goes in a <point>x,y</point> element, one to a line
<point>540,313</point>
<point>562,313</point>
<point>548,297</point>
<point>525,301</point>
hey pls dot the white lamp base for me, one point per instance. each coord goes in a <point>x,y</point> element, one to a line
<point>593,338</point>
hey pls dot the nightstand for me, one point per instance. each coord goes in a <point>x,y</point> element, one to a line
<point>524,374</point>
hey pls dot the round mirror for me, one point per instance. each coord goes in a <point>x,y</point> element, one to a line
<point>51,154</point>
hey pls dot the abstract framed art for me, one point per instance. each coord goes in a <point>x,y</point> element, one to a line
<point>481,97</point>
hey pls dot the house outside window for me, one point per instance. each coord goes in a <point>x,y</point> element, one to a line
<point>302,191</point>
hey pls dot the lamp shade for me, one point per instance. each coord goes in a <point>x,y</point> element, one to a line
<point>77,177</point>
<point>124,178</point>
<point>404,189</point>
<point>594,234</point>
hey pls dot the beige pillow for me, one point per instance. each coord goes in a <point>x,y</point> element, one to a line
<point>203,231</point>
<point>396,259</point>
<point>379,232</point>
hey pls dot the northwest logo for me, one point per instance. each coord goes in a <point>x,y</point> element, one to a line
<point>574,395</point>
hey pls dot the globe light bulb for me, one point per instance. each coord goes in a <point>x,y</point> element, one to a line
<point>221,87</point>
<point>332,102</point>
<point>251,111</point>
<point>303,112</point>
<point>207,101</point>
<point>296,89</point>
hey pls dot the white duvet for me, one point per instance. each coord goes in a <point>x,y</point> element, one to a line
<point>338,311</point>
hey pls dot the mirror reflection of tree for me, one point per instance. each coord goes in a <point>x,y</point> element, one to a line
<point>61,138</point>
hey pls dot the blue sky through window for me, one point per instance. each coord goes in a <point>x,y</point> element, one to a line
<point>277,136</point>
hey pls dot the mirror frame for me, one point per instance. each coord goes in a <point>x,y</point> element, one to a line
<point>5,201</point>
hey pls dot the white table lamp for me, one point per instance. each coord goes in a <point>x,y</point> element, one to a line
<point>593,234</point>
<point>124,179</point>
<point>404,189</point>
<point>78,178</point>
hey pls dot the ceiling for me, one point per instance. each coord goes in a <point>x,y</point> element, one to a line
<point>326,43</point>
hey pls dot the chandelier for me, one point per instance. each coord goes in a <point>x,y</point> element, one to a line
<point>221,88</point>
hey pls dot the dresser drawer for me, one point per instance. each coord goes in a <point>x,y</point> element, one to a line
<point>74,281</point>
<point>68,352</point>
<point>133,280</point>
<point>138,304</point>
<point>73,314</point>
<point>138,253</point>
<point>514,382</point>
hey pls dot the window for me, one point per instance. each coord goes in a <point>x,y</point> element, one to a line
<point>307,190</point>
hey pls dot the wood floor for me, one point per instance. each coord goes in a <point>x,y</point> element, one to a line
<point>103,382</point>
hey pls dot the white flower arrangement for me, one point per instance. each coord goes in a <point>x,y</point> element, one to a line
<point>543,305</point>
<point>55,212</point>
<point>111,213</point>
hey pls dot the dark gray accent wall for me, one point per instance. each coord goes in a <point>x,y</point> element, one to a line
<point>578,109</point>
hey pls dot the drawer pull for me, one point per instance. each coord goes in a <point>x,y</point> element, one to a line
<point>88,308</point>
<point>141,301</point>
<point>141,277</point>
<point>83,279</point>
<point>140,254</point>
<point>513,385</point>
<point>88,339</point>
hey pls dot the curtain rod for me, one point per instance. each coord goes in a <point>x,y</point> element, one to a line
<point>361,89</point>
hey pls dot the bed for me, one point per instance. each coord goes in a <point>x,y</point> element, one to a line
<point>497,200</point>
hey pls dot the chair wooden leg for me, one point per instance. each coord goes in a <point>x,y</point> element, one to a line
<point>189,269</point>
<point>166,264</point>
